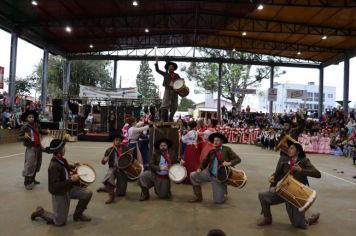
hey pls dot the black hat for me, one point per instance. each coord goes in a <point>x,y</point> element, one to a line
<point>298,146</point>
<point>163,140</point>
<point>55,145</point>
<point>116,134</point>
<point>27,113</point>
<point>217,135</point>
<point>168,63</point>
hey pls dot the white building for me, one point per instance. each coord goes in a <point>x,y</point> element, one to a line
<point>208,108</point>
<point>310,100</point>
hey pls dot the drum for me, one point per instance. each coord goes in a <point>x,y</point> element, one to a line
<point>177,173</point>
<point>46,141</point>
<point>232,176</point>
<point>296,193</point>
<point>86,174</point>
<point>132,167</point>
<point>180,87</point>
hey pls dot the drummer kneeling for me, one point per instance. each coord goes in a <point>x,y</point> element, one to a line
<point>157,176</point>
<point>300,167</point>
<point>63,185</point>
<point>220,155</point>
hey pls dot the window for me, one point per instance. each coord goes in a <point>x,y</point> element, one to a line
<point>310,95</point>
<point>330,95</point>
<point>316,106</point>
<point>316,94</point>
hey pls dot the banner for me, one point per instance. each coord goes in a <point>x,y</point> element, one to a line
<point>297,94</point>
<point>272,94</point>
<point>2,77</point>
<point>95,92</point>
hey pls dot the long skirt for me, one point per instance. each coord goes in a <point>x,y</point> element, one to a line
<point>207,146</point>
<point>191,158</point>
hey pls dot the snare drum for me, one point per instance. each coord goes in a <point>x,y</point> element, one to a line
<point>132,167</point>
<point>296,193</point>
<point>177,173</point>
<point>180,87</point>
<point>232,176</point>
<point>86,174</point>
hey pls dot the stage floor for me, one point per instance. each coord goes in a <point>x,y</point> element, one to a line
<point>336,200</point>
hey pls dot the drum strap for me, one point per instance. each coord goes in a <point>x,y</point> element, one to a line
<point>36,139</point>
<point>168,159</point>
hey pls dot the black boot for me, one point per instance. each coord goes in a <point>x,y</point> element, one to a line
<point>145,194</point>
<point>78,214</point>
<point>40,212</point>
<point>28,183</point>
<point>198,194</point>
<point>164,115</point>
<point>37,213</point>
<point>171,116</point>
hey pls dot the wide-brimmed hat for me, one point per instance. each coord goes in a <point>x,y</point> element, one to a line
<point>217,135</point>
<point>163,140</point>
<point>168,63</point>
<point>27,113</point>
<point>115,135</point>
<point>55,145</point>
<point>298,146</point>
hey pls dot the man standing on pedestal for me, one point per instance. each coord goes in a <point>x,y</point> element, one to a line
<point>170,97</point>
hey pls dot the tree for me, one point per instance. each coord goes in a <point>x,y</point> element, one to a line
<point>92,73</point>
<point>145,82</point>
<point>235,77</point>
<point>185,104</point>
<point>24,86</point>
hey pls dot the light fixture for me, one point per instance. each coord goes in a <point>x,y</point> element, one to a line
<point>68,29</point>
<point>91,45</point>
<point>155,47</point>
<point>34,3</point>
<point>260,7</point>
<point>134,3</point>
<point>299,53</point>
<point>234,50</point>
<point>244,33</point>
<point>324,37</point>
<point>147,30</point>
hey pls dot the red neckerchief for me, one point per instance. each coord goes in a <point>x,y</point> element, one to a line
<point>291,163</point>
<point>36,139</point>
<point>172,76</point>
<point>63,161</point>
<point>167,158</point>
<point>118,151</point>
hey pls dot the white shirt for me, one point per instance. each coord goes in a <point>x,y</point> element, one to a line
<point>190,138</point>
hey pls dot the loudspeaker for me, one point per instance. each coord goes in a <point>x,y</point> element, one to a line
<point>57,109</point>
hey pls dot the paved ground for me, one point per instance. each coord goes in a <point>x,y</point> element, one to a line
<point>336,200</point>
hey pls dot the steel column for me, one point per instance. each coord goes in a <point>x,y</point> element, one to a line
<point>115,75</point>
<point>219,92</point>
<point>66,82</point>
<point>346,85</point>
<point>12,72</point>
<point>321,92</point>
<point>271,86</point>
<point>44,80</point>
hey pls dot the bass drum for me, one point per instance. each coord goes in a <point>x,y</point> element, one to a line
<point>180,87</point>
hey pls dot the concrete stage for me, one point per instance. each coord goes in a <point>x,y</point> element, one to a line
<point>336,200</point>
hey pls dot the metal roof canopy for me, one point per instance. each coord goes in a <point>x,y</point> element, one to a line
<point>284,28</point>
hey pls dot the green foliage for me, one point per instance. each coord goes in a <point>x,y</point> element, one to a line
<point>145,82</point>
<point>234,76</point>
<point>185,104</point>
<point>91,73</point>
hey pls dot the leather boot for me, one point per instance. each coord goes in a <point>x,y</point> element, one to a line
<point>103,189</point>
<point>171,116</point>
<point>145,194</point>
<point>28,183</point>
<point>40,212</point>
<point>111,191</point>
<point>198,194</point>
<point>313,219</point>
<point>78,214</point>
<point>37,213</point>
<point>267,216</point>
